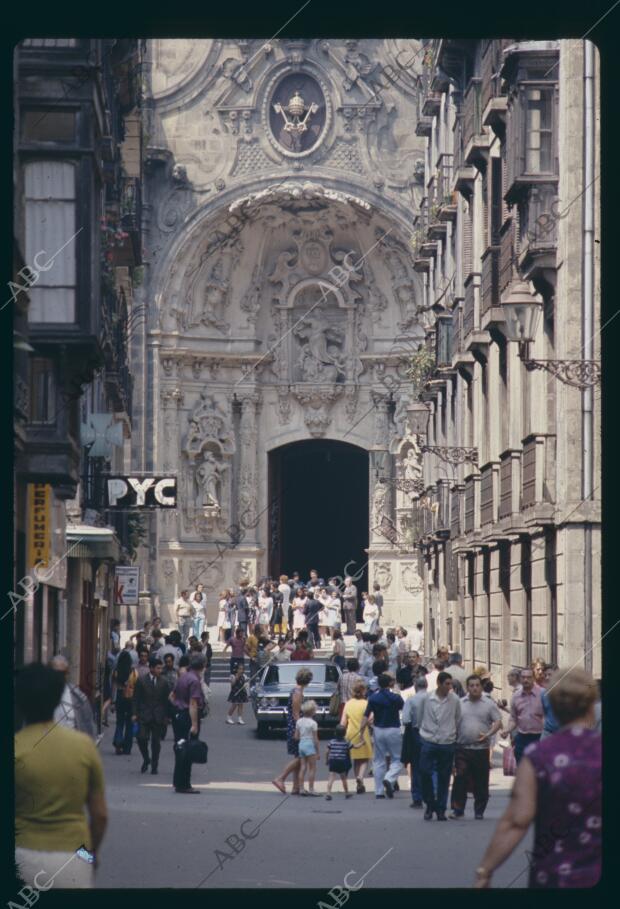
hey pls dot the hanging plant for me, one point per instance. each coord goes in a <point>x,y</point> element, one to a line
<point>421,367</point>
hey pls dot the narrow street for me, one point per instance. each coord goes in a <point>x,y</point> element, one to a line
<point>158,839</point>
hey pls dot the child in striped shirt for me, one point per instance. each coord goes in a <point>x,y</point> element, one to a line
<point>339,761</point>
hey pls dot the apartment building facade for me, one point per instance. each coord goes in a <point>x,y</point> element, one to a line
<point>77,216</point>
<point>507,242</point>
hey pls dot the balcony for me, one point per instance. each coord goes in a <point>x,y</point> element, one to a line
<point>131,220</point>
<point>493,103</point>
<point>456,517</point>
<point>474,339</point>
<point>470,505</point>
<point>509,483</point>
<point>538,478</point>
<point>538,233</point>
<point>489,493</point>
<point>491,311</point>
<point>507,257</point>
<point>455,333</point>
<point>475,138</point>
<point>431,104</point>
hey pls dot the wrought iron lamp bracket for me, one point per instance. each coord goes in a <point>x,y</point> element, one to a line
<point>578,373</point>
<point>453,454</point>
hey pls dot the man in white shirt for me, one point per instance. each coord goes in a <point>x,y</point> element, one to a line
<point>184,614</point>
<point>438,721</point>
<point>417,638</point>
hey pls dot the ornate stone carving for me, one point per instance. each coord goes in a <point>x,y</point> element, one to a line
<point>250,302</point>
<point>321,356</point>
<point>380,400</point>
<point>410,578</point>
<point>244,570</point>
<point>208,424</point>
<point>379,497</point>
<point>383,574</point>
<point>206,571</point>
<point>351,398</point>
<point>317,402</point>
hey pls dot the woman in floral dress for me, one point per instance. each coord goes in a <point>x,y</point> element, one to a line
<point>558,786</point>
<point>295,700</point>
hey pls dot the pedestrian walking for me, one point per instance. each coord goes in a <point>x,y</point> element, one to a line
<point>412,745</point>
<point>384,706</point>
<point>349,604</point>
<point>307,737</point>
<point>338,760</point>
<point>238,695</point>
<point>184,612</point>
<point>223,621</point>
<point>339,650</point>
<point>480,720</point>
<point>558,786</point>
<point>284,588</point>
<point>150,709</point>
<point>125,677</point>
<point>188,700</point>
<point>438,721</point>
<point>199,602</point>
<point>311,613</point>
<point>526,714</point>
<point>359,739</point>
<point>58,781</point>
<point>371,615</point>
<point>237,650</point>
<point>293,713</point>
<point>416,641</point>
<point>299,605</point>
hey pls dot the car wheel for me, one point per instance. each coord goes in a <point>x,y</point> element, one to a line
<point>261,730</point>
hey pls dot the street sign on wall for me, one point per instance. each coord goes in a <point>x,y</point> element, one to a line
<point>126,585</point>
<point>141,492</point>
<point>39,524</point>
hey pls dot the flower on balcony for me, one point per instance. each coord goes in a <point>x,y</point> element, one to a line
<point>421,367</point>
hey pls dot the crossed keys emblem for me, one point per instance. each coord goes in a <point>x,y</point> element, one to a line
<point>299,114</point>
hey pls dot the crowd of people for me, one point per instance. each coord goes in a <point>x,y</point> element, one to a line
<point>397,711</point>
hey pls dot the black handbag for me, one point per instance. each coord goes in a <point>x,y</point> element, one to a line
<point>196,750</point>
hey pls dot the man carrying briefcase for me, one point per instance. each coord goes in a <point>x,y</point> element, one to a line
<point>188,701</point>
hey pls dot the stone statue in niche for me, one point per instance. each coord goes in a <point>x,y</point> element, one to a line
<point>280,276</point>
<point>321,356</point>
<point>214,298</point>
<point>209,479</point>
<point>412,462</point>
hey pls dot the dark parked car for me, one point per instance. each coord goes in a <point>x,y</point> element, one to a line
<point>271,693</point>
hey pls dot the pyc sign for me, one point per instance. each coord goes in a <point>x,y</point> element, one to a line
<point>142,492</point>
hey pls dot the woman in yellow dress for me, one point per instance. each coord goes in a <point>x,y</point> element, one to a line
<point>361,752</point>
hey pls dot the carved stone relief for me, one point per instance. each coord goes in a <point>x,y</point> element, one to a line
<point>383,574</point>
<point>410,578</point>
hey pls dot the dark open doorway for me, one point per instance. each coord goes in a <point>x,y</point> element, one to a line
<point>318,491</point>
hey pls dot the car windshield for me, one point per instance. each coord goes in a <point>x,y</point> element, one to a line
<point>284,674</point>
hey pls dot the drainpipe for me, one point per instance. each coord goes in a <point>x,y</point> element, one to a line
<point>588,329</point>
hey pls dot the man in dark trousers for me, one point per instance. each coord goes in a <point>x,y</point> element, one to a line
<point>243,609</point>
<point>311,612</point>
<point>188,701</point>
<point>150,700</point>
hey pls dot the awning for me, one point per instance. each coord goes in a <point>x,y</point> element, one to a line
<point>84,541</point>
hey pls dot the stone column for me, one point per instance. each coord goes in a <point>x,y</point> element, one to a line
<point>247,496</point>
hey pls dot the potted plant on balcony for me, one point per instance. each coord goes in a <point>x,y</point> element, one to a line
<point>421,367</point>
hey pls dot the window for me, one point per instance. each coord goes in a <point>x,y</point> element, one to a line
<point>42,391</point>
<point>48,126</point>
<point>538,131</point>
<point>49,189</point>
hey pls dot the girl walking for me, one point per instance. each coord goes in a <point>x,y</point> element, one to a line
<point>338,761</point>
<point>339,652</point>
<point>238,695</point>
<point>307,736</point>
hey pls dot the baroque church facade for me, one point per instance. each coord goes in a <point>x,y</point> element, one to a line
<point>282,180</point>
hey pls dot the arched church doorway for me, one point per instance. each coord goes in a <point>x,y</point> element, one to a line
<point>318,495</point>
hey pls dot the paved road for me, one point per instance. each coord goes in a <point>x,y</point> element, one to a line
<point>157,838</point>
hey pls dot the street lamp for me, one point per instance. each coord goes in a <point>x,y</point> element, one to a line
<point>522,314</point>
<point>418,416</point>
